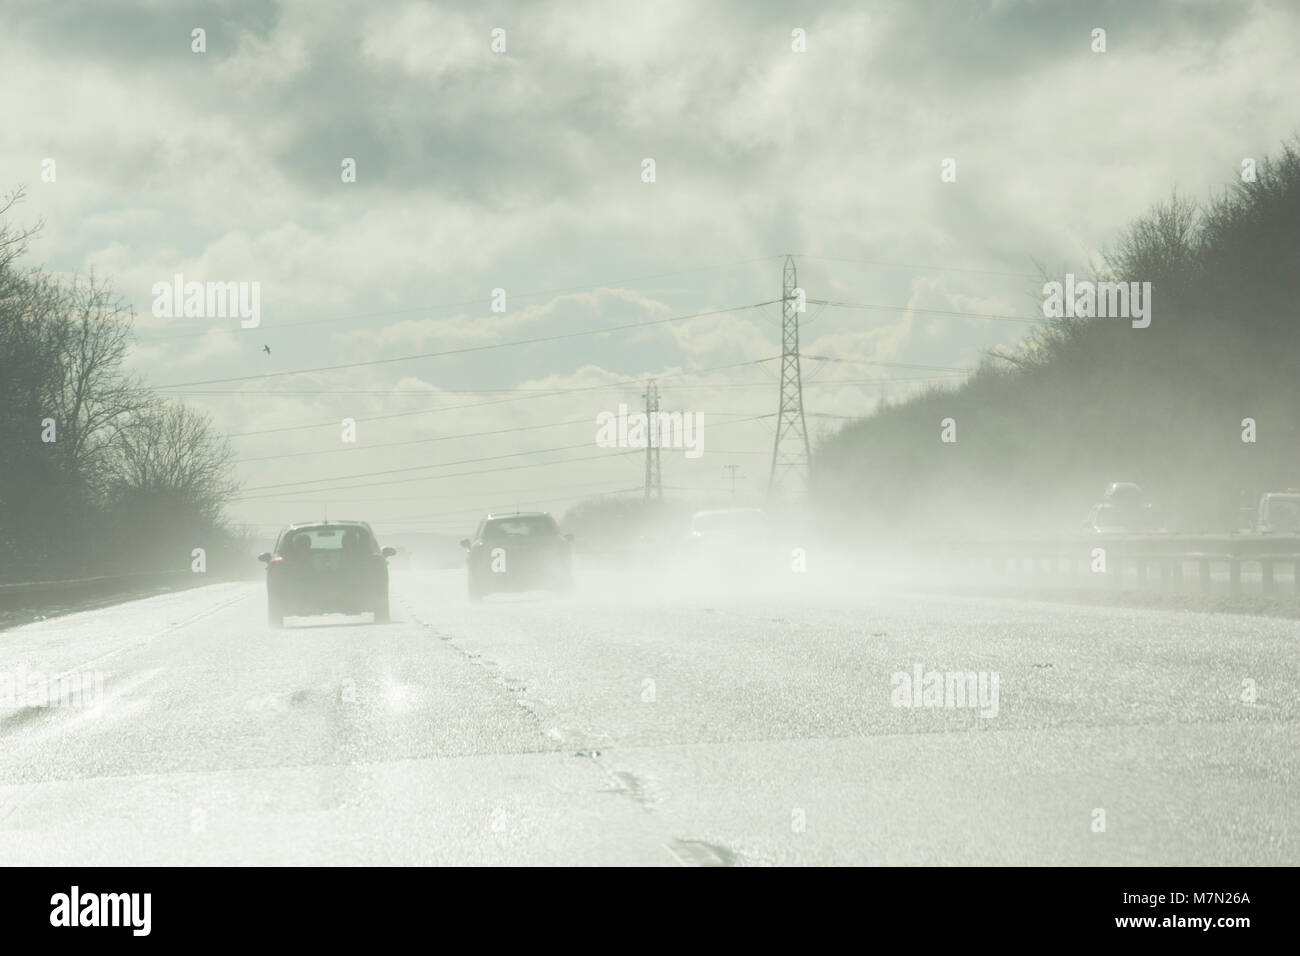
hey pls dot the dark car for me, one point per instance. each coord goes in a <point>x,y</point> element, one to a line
<point>325,567</point>
<point>518,552</point>
<point>1123,509</point>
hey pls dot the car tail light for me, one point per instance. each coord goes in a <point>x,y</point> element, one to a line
<point>277,559</point>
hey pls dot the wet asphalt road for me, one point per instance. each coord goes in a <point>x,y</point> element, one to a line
<point>649,722</point>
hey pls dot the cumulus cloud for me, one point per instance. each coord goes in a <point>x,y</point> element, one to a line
<point>523,171</point>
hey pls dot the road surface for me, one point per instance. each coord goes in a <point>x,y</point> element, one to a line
<point>643,722</point>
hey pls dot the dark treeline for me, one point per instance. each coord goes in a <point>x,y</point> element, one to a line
<point>1042,429</point>
<point>129,482</point>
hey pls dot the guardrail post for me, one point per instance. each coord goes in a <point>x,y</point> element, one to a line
<point>1234,575</point>
<point>1205,575</point>
<point>1266,574</point>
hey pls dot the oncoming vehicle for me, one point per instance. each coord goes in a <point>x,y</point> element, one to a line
<point>1123,509</point>
<point>1106,518</point>
<point>1279,513</point>
<point>524,551</point>
<point>325,567</point>
<point>1124,491</point>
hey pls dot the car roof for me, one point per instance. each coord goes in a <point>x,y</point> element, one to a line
<point>1124,486</point>
<point>299,525</point>
<point>494,515</point>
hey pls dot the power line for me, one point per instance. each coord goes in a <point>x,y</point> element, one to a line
<point>333,423</point>
<point>462,495</point>
<point>468,302</point>
<point>413,441</point>
<point>993,317</point>
<point>398,471</point>
<point>900,265</point>
<point>742,386</point>
<point>459,474</point>
<point>481,510</point>
<point>546,393</point>
<point>422,441</point>
<point>549,393</point>
<point>468,349</point>
<point>466,461</point>
<point>852,361</point>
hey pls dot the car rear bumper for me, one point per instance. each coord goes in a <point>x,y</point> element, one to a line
<point>522,575</point>
<point>326,594</point>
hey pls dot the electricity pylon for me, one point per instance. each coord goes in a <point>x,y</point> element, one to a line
<point>654,486</point>
<point>790,452</point>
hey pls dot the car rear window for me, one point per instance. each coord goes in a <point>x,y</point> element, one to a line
<point>535,526</point>
<point>327,539</point>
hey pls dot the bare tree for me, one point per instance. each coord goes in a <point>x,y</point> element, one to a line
<point>169,452</point>
<point>13,242</point>
<point>92,397</point>
<point>97,470</point>
<point>1161,247</point>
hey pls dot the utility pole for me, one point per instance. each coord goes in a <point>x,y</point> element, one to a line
<point>654,486</point>
<point>790,452</point>
<point>732,469</point>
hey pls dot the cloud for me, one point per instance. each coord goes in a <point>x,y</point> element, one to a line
<point>523,171</point>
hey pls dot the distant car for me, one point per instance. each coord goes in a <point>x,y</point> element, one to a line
<point>326,567</point>
<point>524,551</point>
<point>1279,513</point>
<point>1122,510</point>
<point>740,541</point>
<point>1106,518</point>
<point>728,528</point>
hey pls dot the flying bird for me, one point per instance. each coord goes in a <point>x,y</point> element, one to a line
<point>266,349</point>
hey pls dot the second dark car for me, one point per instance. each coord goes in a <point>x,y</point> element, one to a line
<point>518,552</point>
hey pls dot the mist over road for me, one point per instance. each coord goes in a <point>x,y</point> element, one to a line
<point>644,722</point>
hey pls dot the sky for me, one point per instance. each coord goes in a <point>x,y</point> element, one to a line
<point>523,170</point>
